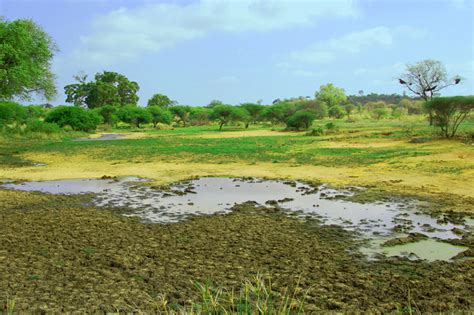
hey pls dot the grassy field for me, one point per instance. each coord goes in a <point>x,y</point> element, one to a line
<point>59,254</point>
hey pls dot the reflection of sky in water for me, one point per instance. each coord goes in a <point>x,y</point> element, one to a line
<point>217,195</point>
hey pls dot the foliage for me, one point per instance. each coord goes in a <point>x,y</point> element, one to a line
<point>336,111</point>
<point>42,127</point>
<point>26,52</point>
<point>161,101</point>
<point>349,109</point>
<point>374,97</point>
<point>134,115</point>
<point>399,112</point>
<point>181,113</point>
<point>300,120</point>
<point>227,113</point>
<point>159,115</point>
<point>75,117</point>
<point>214,103</point>
<point>330,95</point>
<point>199,116</point>
<point>412,107</point>
<point>279,112</point>
<point>319,109</point>
<point>11,112</point>
<point>450,112</point>
<point>379,113</point>
<point>316,132</point>
<point>108,114</point>
<point>108,88</point>
<point>254,112</point>
<point>35,111</point>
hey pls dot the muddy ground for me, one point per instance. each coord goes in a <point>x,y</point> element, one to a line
<point>58,255</point>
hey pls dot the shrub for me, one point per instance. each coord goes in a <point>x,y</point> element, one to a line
<point>380,113</point>
<point>108,114</point>
<point>11,112</point>
<point>42,127</point>
<point>318,131</point>
<point>76,118</point>
<point>449,112</point>
<point>300,120</point>
<point>337,111</point>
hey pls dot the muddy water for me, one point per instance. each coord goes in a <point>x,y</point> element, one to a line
<point>104,137</point>
<point>377,221</point>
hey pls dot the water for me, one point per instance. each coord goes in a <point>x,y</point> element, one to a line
<point>211,195</point>
<point>104,137</point>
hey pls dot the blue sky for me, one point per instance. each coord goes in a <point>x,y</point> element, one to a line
<point>238,51</point>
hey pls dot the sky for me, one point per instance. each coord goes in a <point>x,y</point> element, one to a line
<point>246,51</point>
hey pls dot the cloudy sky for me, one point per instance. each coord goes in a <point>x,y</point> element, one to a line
<point>237,51</point>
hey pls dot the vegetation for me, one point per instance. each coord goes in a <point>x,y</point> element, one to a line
<point>73,117</point>
<point>300,120</point>
<point>25,60</point>
<point>450,112</point>
<point>159,115</point>
<point>108,88</point>
<point>135,115</point>
<point>160,100</point>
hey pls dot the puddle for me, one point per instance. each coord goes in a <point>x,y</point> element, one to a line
<point>428,249</point>
<point>211,195</point>
<point>104,137</point>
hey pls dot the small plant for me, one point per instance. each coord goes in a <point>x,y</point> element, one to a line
<point>316,132</point>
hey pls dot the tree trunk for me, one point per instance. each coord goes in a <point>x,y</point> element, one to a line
<point>220,127</point>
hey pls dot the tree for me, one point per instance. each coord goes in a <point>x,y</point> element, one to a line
<point>26,52</point>
<point>11,112</point>
<point>299,120</point>
<point>254,111</point>
<point>320,109</point>
<point>349,109</point>
<point>108,88</point>
<point>182,113</point>
<point>214,103</point>
<point>227,113</point>
<point>336,111</point>
<point>331,95</point>
<point>199,115</point>
<point>108,114</point>
<point>279,112</point>
<point>450,112</point>
<point>159,115</point>
<point>160,100</point>
<point>426,78</point>
<point>134,115</point>
<point>75,117</point>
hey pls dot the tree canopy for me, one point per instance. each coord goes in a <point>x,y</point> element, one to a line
<point>26,52</point>
<point>160,100</point>
<point>330,95</point>
<point>450,112</point>
<point>108,88</point>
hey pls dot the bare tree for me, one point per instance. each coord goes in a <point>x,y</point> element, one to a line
<point>426,78</point>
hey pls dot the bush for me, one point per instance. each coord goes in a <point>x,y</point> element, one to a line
<point>300,120</point>
<point>337,111</point>
<point>449,112</point>
<point>42,127</point>
<point>108,114</point>
<point>318,131</point>
<point>11,112</point>
<point>380,113</point>
<point>76,118</point>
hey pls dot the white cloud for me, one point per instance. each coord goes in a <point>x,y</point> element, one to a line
<point>128,33</point>
<point>353,43</point>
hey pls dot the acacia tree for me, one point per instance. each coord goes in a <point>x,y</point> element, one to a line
<point>227,113</point>
<point>450,112</point>
<point>160,100</point>
<point>25,61</point>
<point>330,95</point>
<point>181,113</point>
<point>426,78</point>
<point>254,111</point>
<point>108,88</point>
<point>159,115</point>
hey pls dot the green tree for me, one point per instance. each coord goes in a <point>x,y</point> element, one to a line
<point>330,95</point>
<point>349,109</point>
<point>300,120</point>
<point>214,103</point>
<point>254,112</point>
<point>227,113</point>
<point>379,113</point>
<point>199,116</point>
<point>336,111</point>
<point>134,115</point>
<point>75,117</point>
<point>108,88</point>
<point>159,115</point>
<point>450,112</point>
<point>26,52</point>
<point>160,100</point>
<point>279,112</point>
<point>426,78</point>
<point>181,113</point>
<point>108,114</point>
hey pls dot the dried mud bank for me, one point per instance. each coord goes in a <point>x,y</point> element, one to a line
<point>57,255</point>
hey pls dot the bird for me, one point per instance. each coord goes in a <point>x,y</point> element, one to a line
<point>457,80</point>
<point>401,81</point>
